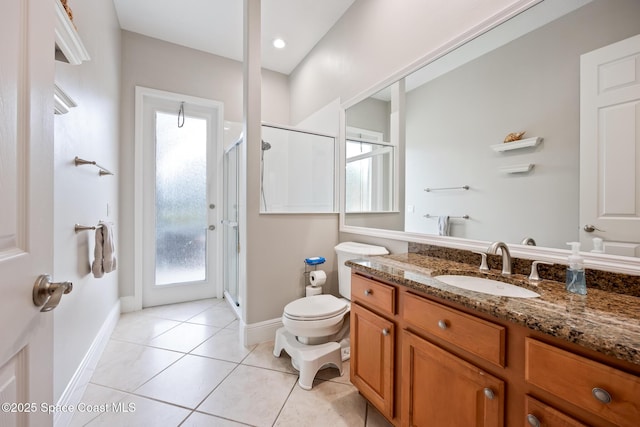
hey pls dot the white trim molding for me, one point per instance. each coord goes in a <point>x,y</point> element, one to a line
<point>256,333</point>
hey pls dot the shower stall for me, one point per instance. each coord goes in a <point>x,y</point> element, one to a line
<point>297,171</point>
<point>297,175</point>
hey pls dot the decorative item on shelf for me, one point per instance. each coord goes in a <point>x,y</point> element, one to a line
<point>69,47</point>
<point>514,136</point>
<point>67,9</point>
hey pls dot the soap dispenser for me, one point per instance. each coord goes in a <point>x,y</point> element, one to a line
<point>575,271</point>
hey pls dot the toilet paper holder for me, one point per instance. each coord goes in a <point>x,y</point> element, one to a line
<point>311,264</point>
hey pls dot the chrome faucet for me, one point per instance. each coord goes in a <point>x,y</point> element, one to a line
<point>506,256</point>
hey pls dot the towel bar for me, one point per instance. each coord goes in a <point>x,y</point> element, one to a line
<point>464,187</point>
<point>432,216</point>
<point>103,171</point>
<point>78,228</point>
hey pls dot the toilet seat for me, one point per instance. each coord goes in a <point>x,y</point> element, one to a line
<point>319,307</point>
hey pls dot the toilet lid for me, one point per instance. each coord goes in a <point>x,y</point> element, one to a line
<point>317,307</point>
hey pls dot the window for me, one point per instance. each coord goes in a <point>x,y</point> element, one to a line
<point>369,176</point>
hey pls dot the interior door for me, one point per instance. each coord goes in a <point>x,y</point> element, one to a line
<point>181,137</point>
<point>610,147</point>
<point>26,201</point>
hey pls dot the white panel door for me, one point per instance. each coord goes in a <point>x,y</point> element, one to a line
<point>26,236</point>
<point>610,147</point>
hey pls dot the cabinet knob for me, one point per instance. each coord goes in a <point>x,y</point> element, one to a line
<point>443,324</point>
<point>367,292</point>
<point>601,395</point>
<point>385,332</point>
<point>533,420</point>
<point>489,394</point>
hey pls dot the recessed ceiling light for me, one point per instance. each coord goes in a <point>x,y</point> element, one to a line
<point>279,43</point>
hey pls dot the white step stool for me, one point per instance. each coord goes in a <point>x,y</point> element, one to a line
<point>308,359</point>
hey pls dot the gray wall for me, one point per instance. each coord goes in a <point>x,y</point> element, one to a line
<point>375,39</point>
<point>90,131</point>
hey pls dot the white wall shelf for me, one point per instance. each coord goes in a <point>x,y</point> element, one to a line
<point>524,143</point>
<point>69,47</point>
<point>62,102</point>
<point>523,168</point>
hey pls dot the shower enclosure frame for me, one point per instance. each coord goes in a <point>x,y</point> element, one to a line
<point>230,223</point>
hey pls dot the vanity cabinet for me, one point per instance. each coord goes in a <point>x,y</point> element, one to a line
<point>441,389</point>
<point>423,360</point>
<point>373,338</point>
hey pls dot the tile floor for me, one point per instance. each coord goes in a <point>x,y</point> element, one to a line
<point>183,365</point>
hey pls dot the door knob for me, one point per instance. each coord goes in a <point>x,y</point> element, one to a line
<point>591,228</point>
<point>47,294</point>
<point>212,227</point>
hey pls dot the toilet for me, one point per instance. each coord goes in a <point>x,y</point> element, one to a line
<point>315,330</point>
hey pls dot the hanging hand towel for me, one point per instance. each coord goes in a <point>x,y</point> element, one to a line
<point>104,252</point>
<point>443,226</point>
<point>96,267</point>
<point>108,247</point>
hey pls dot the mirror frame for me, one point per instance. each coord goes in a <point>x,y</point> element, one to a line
<point>613,263</point>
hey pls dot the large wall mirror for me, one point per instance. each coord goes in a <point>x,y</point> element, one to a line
<point>522,76</point>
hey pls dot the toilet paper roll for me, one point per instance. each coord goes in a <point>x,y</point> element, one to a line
<point>317,278</point>
<point>313,290</point>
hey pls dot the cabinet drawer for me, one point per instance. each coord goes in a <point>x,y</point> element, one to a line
<point>581,381</point>
<point>477,336</point>
<point>373,294</point>
<point>538,414</point>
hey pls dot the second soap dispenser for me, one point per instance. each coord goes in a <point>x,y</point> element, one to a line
<point>576,282</point>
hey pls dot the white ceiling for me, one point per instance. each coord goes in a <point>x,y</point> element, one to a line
<point>215,26</point>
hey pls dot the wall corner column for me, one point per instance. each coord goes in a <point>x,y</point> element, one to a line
<point>250,162</point>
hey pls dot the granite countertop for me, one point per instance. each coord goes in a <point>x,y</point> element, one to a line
<point>606,322</point>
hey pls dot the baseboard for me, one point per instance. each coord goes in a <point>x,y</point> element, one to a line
<point>78,383</point>
<point>129,304</point>
<point>256,333</point>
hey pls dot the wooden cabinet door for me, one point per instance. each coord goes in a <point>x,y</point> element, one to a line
<point>440,389</point>
<point>372,349</point>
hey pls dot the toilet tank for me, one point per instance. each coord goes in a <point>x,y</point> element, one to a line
<point>352,250</point>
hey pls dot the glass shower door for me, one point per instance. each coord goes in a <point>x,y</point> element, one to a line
<point>231,240</point>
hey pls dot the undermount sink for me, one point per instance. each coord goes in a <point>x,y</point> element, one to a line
<point>487,286</point>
